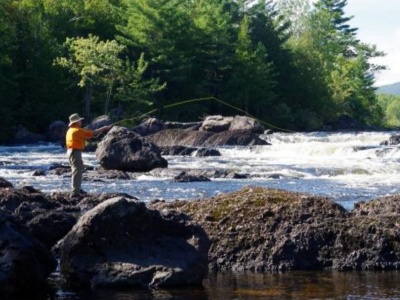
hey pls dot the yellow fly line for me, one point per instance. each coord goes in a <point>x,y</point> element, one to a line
<point>201,100</point>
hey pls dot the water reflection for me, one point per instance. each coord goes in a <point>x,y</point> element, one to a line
<point>295,285</point>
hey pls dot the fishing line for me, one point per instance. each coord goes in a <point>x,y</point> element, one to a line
<point>201,100</point>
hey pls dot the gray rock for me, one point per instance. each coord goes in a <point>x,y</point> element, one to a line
<point>124,150</point>
<point>187,177</point>
<point>205,152</point>
<point>121,243</point>
<point>393,141</point>
<point>247,123</point>
<point>150,126</point>
<point>52,226</point>
<point>216,124</point>
<point>57,131</point>
<point>39,172</point>
<point>100,122</point>
<point>25,263</point>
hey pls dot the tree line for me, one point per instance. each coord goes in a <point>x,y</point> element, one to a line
<point>295,64</point>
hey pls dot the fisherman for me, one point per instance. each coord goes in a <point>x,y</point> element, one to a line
<point>75,142</point>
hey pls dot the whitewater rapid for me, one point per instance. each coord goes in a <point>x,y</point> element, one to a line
<point>348,167</point>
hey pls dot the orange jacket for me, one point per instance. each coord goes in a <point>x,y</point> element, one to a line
<point>76,137</point>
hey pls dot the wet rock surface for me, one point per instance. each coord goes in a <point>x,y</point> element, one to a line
<point>205,152</point>
<point>266,230</point>
<point>121,243</point>
<point>246,123</point>
<point>25,263</point>
<point>187,177</point>
<point>124,150</point>
<point>393,141</point>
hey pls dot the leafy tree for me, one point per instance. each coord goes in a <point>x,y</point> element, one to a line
<point>99,64</point>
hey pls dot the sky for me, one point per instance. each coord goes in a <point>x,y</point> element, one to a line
<point>378,22</point>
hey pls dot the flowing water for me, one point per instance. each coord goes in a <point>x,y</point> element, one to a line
<point>348,167</point>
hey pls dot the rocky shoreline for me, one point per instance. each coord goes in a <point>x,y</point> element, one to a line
<point>114,240</point>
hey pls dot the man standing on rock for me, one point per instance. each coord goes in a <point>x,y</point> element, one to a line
<point>75,142</point>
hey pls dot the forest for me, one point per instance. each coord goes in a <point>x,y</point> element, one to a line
<point>292,63</point>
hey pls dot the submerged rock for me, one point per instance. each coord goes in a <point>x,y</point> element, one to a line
<point>393,141</point>
<point>25,263</point>
<point>124,150</point>
<point>121,243</point>
<point>39,172</point>
<point>205,152</point>
<point>187,177</point>
<point>264,229</point>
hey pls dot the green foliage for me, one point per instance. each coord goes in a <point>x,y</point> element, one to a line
<point>390,104</point>
<point>294,64</point>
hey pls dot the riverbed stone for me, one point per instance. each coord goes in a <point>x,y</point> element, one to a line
<point>25,137</point>
<point>125,150</point>
<point>25,263</point>
<point>121,243</point>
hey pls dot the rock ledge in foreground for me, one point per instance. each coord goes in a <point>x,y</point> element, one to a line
<point>268,230</point>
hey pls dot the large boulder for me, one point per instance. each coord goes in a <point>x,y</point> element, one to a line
<point>265,229</point>
<point>25,137</point>
<point>246,123</point>
<point>121,243</point>
<point>171,138</point>
<point>100,122</point>
<point>216,124</point>
<point>57,131</point>
<point>124,150</point>
<point>50,227</point>
<point>150,126</point>
<point>25,263</point>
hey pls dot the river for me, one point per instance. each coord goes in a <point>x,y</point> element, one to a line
<point>347,167</point>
